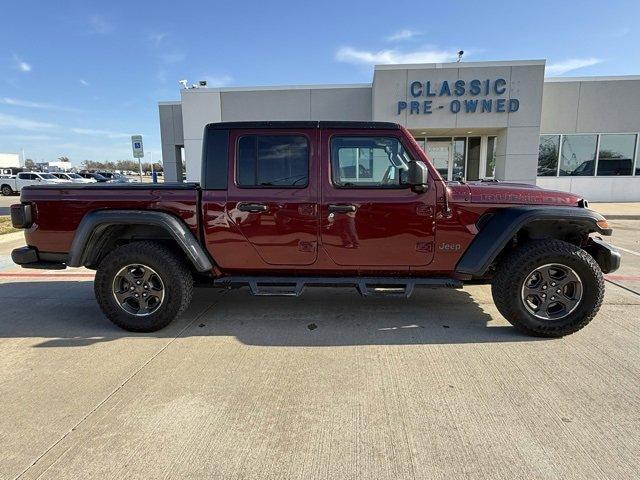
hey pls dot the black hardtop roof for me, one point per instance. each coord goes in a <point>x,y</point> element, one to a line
<point>305,124</point>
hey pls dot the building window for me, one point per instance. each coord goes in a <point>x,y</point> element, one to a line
<point>490,162</point>
<point>378,162</point>
<point>548,151</point>
<point>459,147</point>
<point>606,154</point>
<point>578,155</point>
<point>439,151</point>
<point>616,154</point>
<point>272,161</point>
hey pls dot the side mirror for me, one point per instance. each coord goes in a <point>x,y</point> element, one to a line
<point>418,175</point>
<point>39,179</point>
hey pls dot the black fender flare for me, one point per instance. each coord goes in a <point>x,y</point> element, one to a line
<point>505,224</point>
<point>93,224</point>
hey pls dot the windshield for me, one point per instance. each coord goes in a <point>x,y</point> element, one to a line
<point>47,176</point>
<point>97,176</point>
<point>73,175</point>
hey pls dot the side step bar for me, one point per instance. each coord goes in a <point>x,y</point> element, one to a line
<point>366,286</point>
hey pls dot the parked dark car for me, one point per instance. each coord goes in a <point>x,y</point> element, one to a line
<point>96,176</point>
<point>113,177</point>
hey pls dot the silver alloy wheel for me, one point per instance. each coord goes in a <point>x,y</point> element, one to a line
<point>138,290</point>
<point>551,291</point>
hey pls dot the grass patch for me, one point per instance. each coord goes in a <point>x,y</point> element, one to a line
<point>6,227</point>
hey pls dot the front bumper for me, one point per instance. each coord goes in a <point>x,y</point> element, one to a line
<point>29,257</point>
<point>605,254</point>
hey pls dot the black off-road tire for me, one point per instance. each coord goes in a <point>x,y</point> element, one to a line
<point>170,267</point>
<point>512,272</point>
<point>6,190</point>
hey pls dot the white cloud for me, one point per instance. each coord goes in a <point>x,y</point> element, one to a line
<point>157,38</point>
<point>214,81</point>
<point>20,123</point>
<point>403,34</point>
<point>366,57</point>
<point>23,103</point>
<point>21,64</point>
<point>569,65</point>
<point>83,82</point>
<point>16,102</point>
<point>98,24</point>
<point>100,133</point>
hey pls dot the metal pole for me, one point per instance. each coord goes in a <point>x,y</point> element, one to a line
<point>140,165</point>
<point>154,178</point>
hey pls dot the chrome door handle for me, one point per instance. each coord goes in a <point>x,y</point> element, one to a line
<point>342,208</point>
<point>252,207</point>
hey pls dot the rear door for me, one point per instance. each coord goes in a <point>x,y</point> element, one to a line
<point>369,216</point>
<point>272,195</point>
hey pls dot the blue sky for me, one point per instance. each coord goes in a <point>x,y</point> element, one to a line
<point>78,78</point>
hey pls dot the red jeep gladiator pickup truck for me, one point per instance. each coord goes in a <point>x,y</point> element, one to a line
<point>284,205</point>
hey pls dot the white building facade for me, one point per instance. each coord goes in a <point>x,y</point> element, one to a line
<point>500,120</point>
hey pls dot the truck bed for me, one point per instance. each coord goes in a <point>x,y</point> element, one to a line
<point>60,208</point>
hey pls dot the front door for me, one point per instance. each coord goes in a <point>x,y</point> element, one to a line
<point>369,217</point>
<point>273,193</point>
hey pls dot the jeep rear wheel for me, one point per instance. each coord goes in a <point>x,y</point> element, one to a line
<point>143,286</point>
<point>548,288</point>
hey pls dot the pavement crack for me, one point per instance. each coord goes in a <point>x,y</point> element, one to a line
<point>115,391</point>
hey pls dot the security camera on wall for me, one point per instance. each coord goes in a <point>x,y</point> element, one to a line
<point>183,83</point>
<point>202,84</point>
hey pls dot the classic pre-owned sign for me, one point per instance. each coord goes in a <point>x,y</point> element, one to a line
<point>459,96</point>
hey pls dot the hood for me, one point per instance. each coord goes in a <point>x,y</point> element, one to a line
<point>511,193</point>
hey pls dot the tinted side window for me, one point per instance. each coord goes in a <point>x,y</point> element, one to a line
<point>272,161</point>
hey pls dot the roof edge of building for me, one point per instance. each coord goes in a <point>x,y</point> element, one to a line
<point>260,88</point>
<point>595,78</point>
<point>500,63</point>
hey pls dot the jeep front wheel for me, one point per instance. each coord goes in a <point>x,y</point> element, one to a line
<point>7,190</point>
<point>143,286</point>
<point>548,288</point>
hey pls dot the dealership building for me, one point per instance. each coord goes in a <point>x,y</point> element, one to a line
<point>479,120</point>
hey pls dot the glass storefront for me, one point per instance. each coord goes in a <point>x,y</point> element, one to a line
<point>461,158</point>
<point>606,154</point>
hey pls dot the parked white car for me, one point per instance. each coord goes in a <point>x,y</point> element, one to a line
<point>9,186</point>
<point>73,177</point>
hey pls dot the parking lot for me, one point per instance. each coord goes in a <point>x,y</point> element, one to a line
<point>327,385</point>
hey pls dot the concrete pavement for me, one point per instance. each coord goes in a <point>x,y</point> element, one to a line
<point>328,385</point>
<point>618,211</point>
